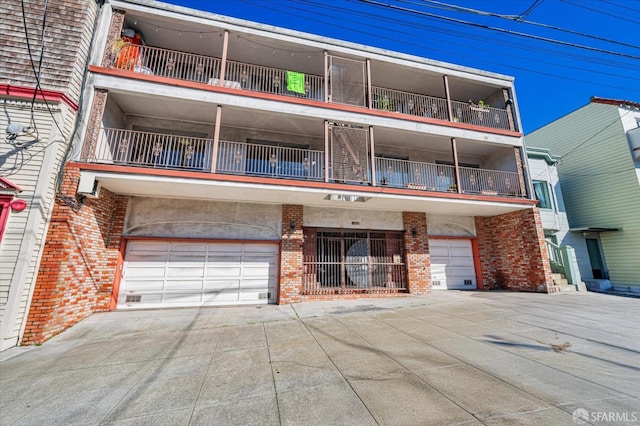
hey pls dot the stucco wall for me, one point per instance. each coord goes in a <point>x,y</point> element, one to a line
<point>175,218</point>
<point>453,226</point>
<point>352,219</point>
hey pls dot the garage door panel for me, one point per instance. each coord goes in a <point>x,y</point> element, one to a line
<point>224,271</point>
<point>184,284</point>
<point>145,270</point>
<point>146,285</point>
<point>452,264</point>
<point>198,273</point>
<point>438,251</point>
<point>181,298</point>
<point>177,271</point>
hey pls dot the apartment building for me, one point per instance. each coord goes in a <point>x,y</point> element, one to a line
<point>222,161</point>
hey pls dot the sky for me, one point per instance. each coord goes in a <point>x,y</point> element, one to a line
<point>565,52</point>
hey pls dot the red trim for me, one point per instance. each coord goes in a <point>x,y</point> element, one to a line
<point>446,237</point>
<point>5,202</point>
<point>18,205</point>
<point>616,102</point>
<point>9,185</point>
<point>48,95</point>
<point>200,240</point>
<point>268,96</point>
<point>476,263</point>
<point>113,303</point>
<point>298,184</point>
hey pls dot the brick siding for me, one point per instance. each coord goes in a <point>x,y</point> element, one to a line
<point>79,261</point>
<point>291,268</point>
<point>418,261</point>
<point>513,254</point>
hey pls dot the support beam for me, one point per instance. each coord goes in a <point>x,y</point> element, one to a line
<point>454,148</point>
<point>448,95</point>
<point>216,139</point>
<point>223,61</point>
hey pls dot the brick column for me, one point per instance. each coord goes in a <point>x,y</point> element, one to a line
<point>115,32</point>
<point>512,121</point>
<point>520,168</point>
<point>79,260</point>
<point>94,124</point>
<point>418,262</point>
<point>513,253</point>
<point>291,269</point>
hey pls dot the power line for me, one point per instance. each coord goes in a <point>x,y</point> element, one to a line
<point>378,35</point>
<point>519,19</point>
<point>37,73</point>
<point>502,30</point>
<point>600,11</point>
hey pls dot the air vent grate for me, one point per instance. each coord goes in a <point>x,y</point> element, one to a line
<point>468,282</point>
<point>133,298</point>
<point>264,295</point>
<point>437,282</point>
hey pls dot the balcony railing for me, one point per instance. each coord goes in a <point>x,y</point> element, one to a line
<point>415,175</point>
<point>239,75</point>
<point>409,103</point>
<point>489,182</point>
<point>274,80</point>
<point>268,160</point>
<point>156,150</point>
<point>465,112</point>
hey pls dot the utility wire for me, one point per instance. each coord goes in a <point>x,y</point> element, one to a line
<point>378,35</point>
<point>519,18</point>
<point>599,11</point>
<point>625,7</point>
<point>37,73</point>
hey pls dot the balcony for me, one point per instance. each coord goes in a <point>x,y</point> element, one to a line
<point>191,154</point>
<point>299,80</point>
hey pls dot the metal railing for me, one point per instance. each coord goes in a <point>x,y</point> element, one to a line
<point>556,260</point>
<point>274,80</point>
<point>409,103</point>
<point>156,150</point>
<point>465,112</point>
<point>354,262</point>
<point>269,160</point>
<point>168,63</point>
<point>489,182</point>
<point>414,175</point>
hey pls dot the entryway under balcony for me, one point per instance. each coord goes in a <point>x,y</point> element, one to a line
<point>350,261</point>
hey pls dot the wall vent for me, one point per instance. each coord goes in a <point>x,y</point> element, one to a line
<point>468,282</point>
<point>131,298</point>
<point>437,282</point>
<point>264,296</point>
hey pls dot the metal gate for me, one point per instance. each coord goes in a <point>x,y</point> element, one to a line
<point>346,261</point>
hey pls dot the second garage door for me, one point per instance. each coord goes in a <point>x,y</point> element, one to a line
<point>452,264</point>
<point>164,273</point>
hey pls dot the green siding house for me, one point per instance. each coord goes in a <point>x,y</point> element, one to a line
<point>598,146</point>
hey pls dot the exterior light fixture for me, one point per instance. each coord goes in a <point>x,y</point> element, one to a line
<point>292,226</point>
<point>414,232</point>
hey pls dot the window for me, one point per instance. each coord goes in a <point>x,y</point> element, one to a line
<point>541,189</point>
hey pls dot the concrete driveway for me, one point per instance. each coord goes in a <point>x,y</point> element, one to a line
<point>444,358</point>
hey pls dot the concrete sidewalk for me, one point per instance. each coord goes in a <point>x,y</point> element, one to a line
<point>444,358</point>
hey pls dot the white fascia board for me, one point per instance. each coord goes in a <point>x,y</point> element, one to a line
<point>312,40</point>
<point>150,89</point>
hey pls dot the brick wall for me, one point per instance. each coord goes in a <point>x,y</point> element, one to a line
<point>94,123</point>
<point>418,262</point>
<point>513,254</point>
<point>79,261</point>
<point>291,254</point>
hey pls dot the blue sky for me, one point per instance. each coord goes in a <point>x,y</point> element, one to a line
<point>552,79</point>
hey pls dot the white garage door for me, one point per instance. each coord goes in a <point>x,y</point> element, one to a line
<point>452,264</point>
<point>163,274</point>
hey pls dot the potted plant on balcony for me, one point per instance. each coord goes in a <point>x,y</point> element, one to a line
<point>481,106</point>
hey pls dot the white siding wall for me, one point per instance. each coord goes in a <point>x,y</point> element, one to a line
<point>33,168</point>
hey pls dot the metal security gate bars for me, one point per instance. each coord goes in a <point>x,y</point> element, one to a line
<point>346,261</point>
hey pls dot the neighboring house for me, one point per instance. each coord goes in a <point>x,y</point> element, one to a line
<point>223,161</point>
<point>598,146</point>
<point>37,124</point>
<point>567,250</point>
